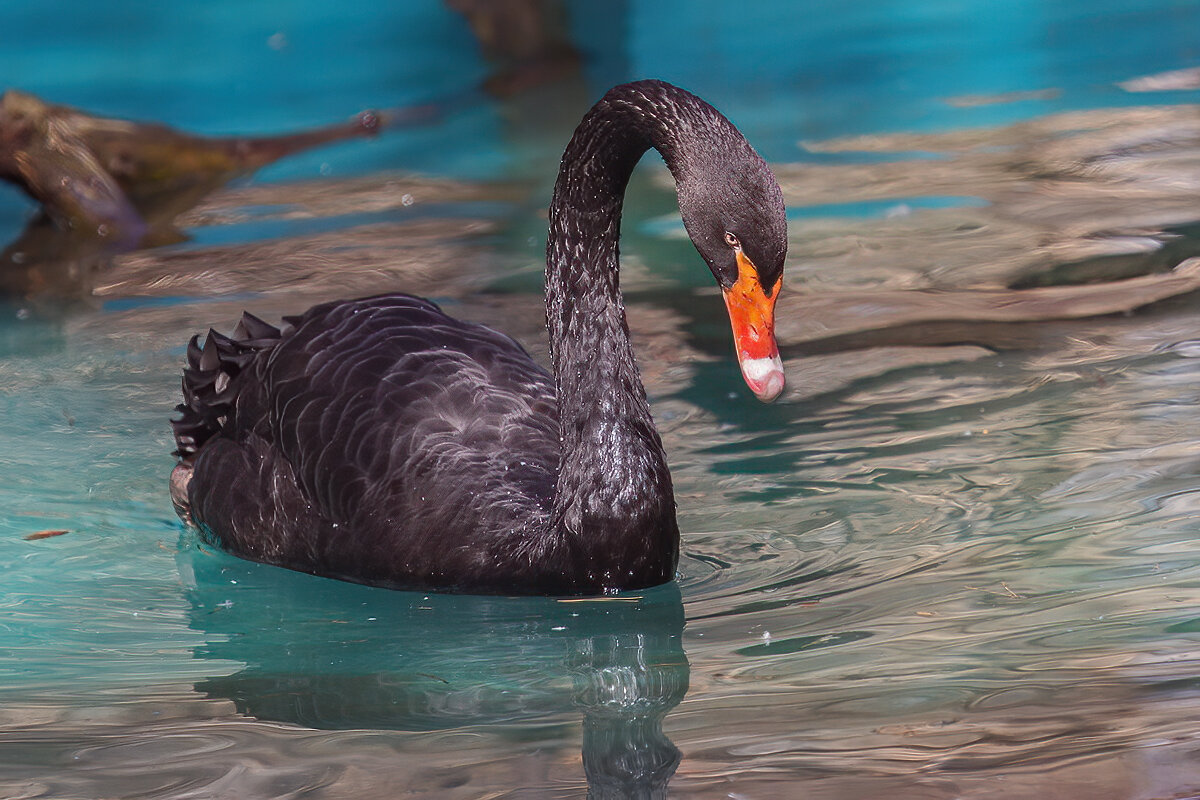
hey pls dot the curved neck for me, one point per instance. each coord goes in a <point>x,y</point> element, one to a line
<point>611,457</point>
<point>589,339</point>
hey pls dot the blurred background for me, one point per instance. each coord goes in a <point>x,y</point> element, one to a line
<point>785,72</point>
<point>957,559</point>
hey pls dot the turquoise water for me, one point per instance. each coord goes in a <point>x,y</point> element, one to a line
<point>957,559</point>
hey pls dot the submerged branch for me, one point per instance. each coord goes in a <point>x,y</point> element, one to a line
<point>106,186</point>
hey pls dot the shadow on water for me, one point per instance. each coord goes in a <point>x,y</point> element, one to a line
<point>335,656</point>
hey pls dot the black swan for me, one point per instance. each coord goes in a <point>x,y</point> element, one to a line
<point>382,442</point>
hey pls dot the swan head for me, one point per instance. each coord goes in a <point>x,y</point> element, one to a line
<point>733,210</point>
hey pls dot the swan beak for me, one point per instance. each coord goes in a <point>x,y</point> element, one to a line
<point>752,316</point>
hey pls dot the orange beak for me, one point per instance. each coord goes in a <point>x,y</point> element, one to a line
<point>752,317</point>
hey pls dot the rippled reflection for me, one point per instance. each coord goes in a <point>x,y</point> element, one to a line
<point>336,656</point>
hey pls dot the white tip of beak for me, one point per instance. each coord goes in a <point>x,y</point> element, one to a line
<point>764,376</point>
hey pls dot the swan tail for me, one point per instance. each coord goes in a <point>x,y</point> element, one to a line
<point>210,385</point>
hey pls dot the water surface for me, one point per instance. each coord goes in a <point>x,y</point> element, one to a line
<point>957,559</point>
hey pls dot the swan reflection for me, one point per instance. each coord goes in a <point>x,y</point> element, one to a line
<point>330,655</point>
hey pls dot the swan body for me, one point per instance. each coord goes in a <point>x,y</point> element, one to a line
<point>381,441</point>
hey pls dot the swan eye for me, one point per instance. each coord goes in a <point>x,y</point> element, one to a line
<point>732,240</point>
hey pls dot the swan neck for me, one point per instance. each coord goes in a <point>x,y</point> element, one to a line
<point>612,461</point>
<point>585,316</point>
